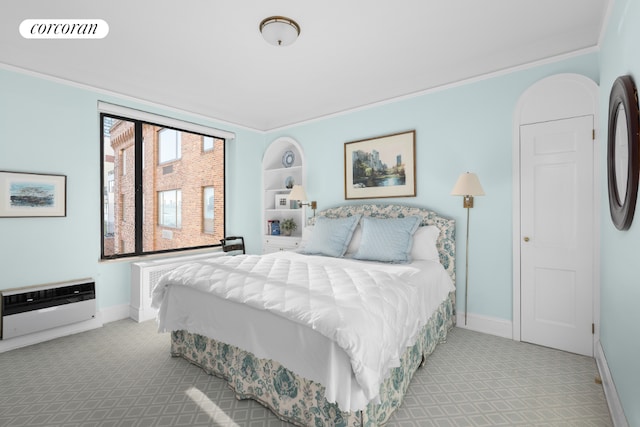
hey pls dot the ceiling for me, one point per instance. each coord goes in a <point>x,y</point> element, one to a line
<point>208,57</point>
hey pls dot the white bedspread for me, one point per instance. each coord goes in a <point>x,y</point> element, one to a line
<point>372,311</point>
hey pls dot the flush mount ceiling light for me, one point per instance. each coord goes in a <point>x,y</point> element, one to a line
<point>279,31</point>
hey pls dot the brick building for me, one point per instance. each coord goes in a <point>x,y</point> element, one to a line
<point>183,180</point>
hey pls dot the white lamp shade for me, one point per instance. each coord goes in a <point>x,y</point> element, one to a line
<point>279,31</point>
<point>468,184</point>
<point>297,193</point>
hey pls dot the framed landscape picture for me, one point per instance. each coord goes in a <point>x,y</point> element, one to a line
<point>32,195</point>
<point>380,167</point>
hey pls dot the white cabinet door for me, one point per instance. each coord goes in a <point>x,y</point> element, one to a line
<point>557,234</point>
<point>275,244</point>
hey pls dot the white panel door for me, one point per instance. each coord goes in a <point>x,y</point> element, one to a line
<point>557,234</point>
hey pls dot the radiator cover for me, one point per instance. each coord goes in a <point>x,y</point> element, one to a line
<point>32,309</point>
<point>144,277</point>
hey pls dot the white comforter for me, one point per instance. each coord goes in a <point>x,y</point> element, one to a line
<point>372,311</point>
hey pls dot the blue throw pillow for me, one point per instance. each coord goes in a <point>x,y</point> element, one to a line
<point>387,239</point>
<point>331,236</point>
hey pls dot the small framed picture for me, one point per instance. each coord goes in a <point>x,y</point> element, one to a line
<point>282,201</point>
<point>32,194</point>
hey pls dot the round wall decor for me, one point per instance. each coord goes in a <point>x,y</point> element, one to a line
<point>288,158</point>
<point>623,152</point>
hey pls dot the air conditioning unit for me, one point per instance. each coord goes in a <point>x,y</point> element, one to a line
<point>37,308</point>
<point>145,275</point>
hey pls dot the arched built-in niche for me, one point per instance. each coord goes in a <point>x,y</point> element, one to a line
<point>283,166</point>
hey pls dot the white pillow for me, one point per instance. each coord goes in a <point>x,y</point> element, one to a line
<point>307,232</point>
<point>355,241</point>
<point>424,243</point>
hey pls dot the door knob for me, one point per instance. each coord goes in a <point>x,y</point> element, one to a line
<point>526,239</point>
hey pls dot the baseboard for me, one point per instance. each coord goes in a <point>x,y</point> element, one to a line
<point>49,334</point>
<point>487,325</point>
<point>142,315</point>
<point>110,314</point>
<point>613,401</point>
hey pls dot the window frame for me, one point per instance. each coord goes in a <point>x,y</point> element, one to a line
<point>139,120</point>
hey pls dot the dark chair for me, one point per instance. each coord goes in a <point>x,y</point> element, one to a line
<point>232,244</point>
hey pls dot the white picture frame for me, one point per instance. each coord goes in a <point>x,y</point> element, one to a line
<point>25,194</point>
<point>281,201</point>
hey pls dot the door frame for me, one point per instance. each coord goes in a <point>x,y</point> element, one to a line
<point>560,96</point>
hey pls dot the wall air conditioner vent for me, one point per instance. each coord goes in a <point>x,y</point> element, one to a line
<point>32,309</point>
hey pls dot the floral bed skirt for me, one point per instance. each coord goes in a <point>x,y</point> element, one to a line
<point>296,399</point>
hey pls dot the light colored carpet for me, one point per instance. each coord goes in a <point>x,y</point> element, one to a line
<point>122,375</point>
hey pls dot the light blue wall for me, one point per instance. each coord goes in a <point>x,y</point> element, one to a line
<point>466,128</point>
<point>49,127</point>
<point>620,282</point>
<point>53,128</point>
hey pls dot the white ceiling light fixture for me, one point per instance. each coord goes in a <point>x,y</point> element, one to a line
<point>279,31</point>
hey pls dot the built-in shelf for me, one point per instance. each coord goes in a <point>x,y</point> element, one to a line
<point>282,165</point>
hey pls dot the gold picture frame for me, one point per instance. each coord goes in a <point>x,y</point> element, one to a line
<point>380,167</point>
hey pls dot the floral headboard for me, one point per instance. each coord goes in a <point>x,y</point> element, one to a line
<point>446,243</point>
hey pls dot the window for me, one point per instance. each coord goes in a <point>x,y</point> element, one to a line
<point>169,145</point>
<point>123,217</point>
<point>208,143</point>
<point>159,207</point>
<point>208,209</point>
<point>123,162</point>
<point>170,208</point>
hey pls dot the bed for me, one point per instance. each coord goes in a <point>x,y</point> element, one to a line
<point>301,333</point>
